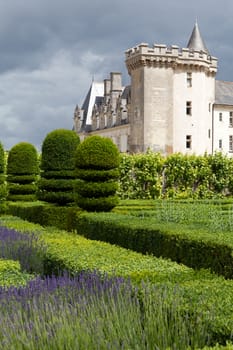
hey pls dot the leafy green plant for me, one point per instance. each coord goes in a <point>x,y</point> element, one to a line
<point>98,156</point>
<point>57,165</point>
<point>22,172</point>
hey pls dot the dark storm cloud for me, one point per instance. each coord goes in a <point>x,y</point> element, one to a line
<point>51,50</point>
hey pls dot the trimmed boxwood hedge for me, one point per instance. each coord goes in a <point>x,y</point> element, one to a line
<point>97,152</point>
<point>203,292</point>
<point>22,172</point>
<point>58,150</point>
<point>97,162</point>
<point>96,189</point>
<point>197,248</point>
<point>57,164</point>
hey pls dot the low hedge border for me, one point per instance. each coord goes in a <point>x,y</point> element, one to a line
<point>45,214</point>
<point>194,248</point>
<point>210,295</point>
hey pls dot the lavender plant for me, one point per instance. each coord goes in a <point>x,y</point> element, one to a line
<point>92,311</point>
<point>26,248</point>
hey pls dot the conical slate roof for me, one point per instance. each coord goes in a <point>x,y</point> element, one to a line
<point>196,42</point>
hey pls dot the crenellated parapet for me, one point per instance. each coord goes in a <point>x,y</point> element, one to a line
<point>169,57</point>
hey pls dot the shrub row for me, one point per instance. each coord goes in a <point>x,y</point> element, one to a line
<point>198,248</point>
<point>63,218</point>
<point>211,295</point>
<point>150,175</point>
<point>75,253</point>
<point>11,274</point>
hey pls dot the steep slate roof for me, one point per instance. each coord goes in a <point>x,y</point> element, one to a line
<point>196,42</point>
<point>223,92</point>
<point>126,92</point>
<point>95,92</point>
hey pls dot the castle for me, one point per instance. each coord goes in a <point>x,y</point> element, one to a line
<point>173,104</point>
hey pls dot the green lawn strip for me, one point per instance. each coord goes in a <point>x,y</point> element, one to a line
<point>11,274</point>
<point>195,247</point>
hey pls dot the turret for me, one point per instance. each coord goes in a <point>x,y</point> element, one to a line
<point>171,88</point>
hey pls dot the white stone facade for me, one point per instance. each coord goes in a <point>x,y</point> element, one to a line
<point>174,104</point>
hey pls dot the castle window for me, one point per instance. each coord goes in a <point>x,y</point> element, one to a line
<point>220,117</point>
<point>188,108</point>
<point>220,144</point>
<point>231,143</point>
<point>189,141</point>
<point>231,119</point>
<point>209,133</point>
<point>189,79</point>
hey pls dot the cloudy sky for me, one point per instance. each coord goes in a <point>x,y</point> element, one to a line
<point>50,50</point>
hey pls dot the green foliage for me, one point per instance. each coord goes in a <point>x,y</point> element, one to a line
<point>96,189</point>
<point>97,175</point>
<point>16,188</point>
<point>97,161</point>
<point>23,179</point>
<point>75,253</point>
<point>58,174</point>
<point>141,175</point>
<point>57,164</point>
<point>208,295</point>
<point>2,159</point>
<point>22,172</point>
<point>22,160</point>
<point>58,150</point>
<point>194,246</point>
<point>46,214</point>
<point>97,152</point>
<point>97,204</point>
<point>57,184</point>
<point>11,274</point>
<point>146,176</point>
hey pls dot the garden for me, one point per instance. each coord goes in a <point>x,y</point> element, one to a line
<point>106,251</point>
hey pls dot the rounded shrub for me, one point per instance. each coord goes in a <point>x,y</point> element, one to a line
<point>97,152</point>
<point>97,161</point>
<point>58,150</point>
<point>22,172</point>
<point>57,164</point>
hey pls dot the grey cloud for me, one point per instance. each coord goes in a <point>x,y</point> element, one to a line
<point>51,50</point>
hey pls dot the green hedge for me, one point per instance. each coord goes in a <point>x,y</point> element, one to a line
<point>210,295</point>
<point>95,189</point>
<point>100,156</point>
<point>97,175</point>
<point>150,175</point>
<point>46,214</point>
<point>22,172</point>
<point>22,160</point>
<point>97,152</point>
<point>57,184</point>
<point>58,174</point>
<point>58,150</point>
<point>196,248</point>
<point>23,179</point>
<point>57,165</point>
<point>16,188</point>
